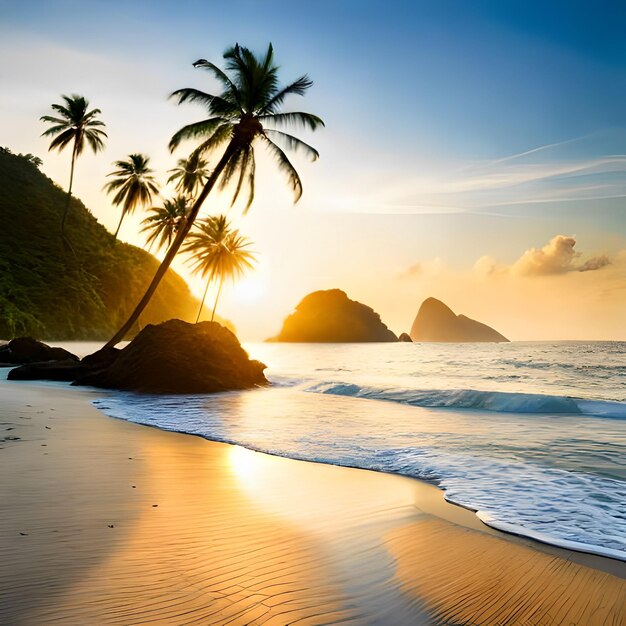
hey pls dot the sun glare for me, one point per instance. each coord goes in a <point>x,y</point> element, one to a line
<point>249,288</point>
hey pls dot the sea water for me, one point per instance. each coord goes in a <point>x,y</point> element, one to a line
<point>532,436</point>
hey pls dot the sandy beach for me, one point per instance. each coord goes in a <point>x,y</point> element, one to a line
<point>108,522</point>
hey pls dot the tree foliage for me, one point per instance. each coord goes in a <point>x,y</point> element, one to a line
<point>48,292</point>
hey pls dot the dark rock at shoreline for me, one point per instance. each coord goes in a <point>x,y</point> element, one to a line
<point>101,359</point>
<point>177,357</point>
<point>405,337</point>
<point>437,322</point>
<point>23,350</point>
<point>67,370</point>
<point>331,317</point>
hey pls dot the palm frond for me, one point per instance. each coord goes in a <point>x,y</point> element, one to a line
<point>297,88</point>
<point>195,130</point>
<point>293,143</point>
<point>214,104</point>
<point>285,165</point>
<point>296,118</point>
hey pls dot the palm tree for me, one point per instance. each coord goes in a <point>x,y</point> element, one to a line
<point>165,221</point>
<point>191,173</point>
<point>133,184</point>
<point>251,99</point>
<point>219,254</point>
<point>74,124</point>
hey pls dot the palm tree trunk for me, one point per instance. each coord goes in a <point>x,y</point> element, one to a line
<point>119,225</point>
<point>208,282</point>
<point>217,297</point>
<point>69,193</point>
<point>173,249</point>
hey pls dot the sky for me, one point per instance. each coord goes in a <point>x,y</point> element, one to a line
<point>473,152</point>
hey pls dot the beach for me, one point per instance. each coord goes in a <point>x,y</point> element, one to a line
<point>109,522</point>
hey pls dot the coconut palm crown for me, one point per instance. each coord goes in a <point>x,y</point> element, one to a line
<point>218,253</point>
<point>246,112</point>
<point>190,173</point>
<point>133,184</point>
<point>165,221</point>
<point>74,124</point>
<point>250,101</point>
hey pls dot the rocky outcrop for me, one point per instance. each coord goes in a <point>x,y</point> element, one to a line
<point>28,350</point>
<point>177,357</point>
<point>405,337</point>
<point>437,322</point>
<point>68,371</point>
<point>331,317</point>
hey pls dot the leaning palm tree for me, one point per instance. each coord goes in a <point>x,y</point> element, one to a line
<point>133,184</point>
<point>165,221</point>
<point>238,119</point>
<point>74,124</point>
<point>218,254</point>
<point>191,173</point>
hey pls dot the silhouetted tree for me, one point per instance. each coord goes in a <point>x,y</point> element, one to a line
<point>74,124</point>
<point>239,116</point>
<point>191,174</point>
<point>218,253</point>
<point>165,221</point>
<point>133,184</point>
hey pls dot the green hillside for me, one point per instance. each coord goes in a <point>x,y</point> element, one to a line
<point>45,290</point>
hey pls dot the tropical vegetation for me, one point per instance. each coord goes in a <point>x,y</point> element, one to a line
<point>133,185</point>
<point>46,292</point>
<point>218,253</point>
<point>247,112</point>
<point>73,124</point>
<point>165,221</point>
<point>190,174</point>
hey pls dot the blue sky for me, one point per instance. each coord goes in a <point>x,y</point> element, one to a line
<point>460,130</point>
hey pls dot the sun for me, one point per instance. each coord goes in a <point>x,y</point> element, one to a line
<point>249,288</point>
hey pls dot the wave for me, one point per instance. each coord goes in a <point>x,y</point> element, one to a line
<point>498,401</point>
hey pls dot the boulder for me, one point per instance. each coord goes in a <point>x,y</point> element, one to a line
<point>331,317</point>
<point>67,370</point>
<point>405,337</point>
<point>177,357</point>
<point>28,350</point>
<point>437,322</point>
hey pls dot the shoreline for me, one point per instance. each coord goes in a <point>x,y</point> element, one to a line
<point>332,537</point>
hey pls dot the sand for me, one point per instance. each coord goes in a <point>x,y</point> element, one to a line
<point>107,522</point>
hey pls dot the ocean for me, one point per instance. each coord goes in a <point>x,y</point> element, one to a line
<point>531,436</point>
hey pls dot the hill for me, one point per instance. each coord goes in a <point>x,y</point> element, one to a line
<point>45,290</point>
<point>437,322</point>
<point>331,317</point>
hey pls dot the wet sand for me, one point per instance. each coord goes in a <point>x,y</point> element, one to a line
<point>107,522</point>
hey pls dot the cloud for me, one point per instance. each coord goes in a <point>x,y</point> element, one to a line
<point>411,271</point>
<point>556,257</point>
<point>595,263</point>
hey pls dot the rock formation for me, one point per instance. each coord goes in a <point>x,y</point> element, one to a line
<point>437,322</point>
<point>177,357</point>
<point>331,317</point>
<point>28,350</point>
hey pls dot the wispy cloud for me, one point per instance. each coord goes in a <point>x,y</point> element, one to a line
<point>587,168</point>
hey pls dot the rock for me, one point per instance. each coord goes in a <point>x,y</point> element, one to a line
<point>437,322</point>
<point>178,357</point>
<point>101,359</point>
<point>405,337</point>
<point>67,370</point>
<point>28,350</point>
<point>331,317</point>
